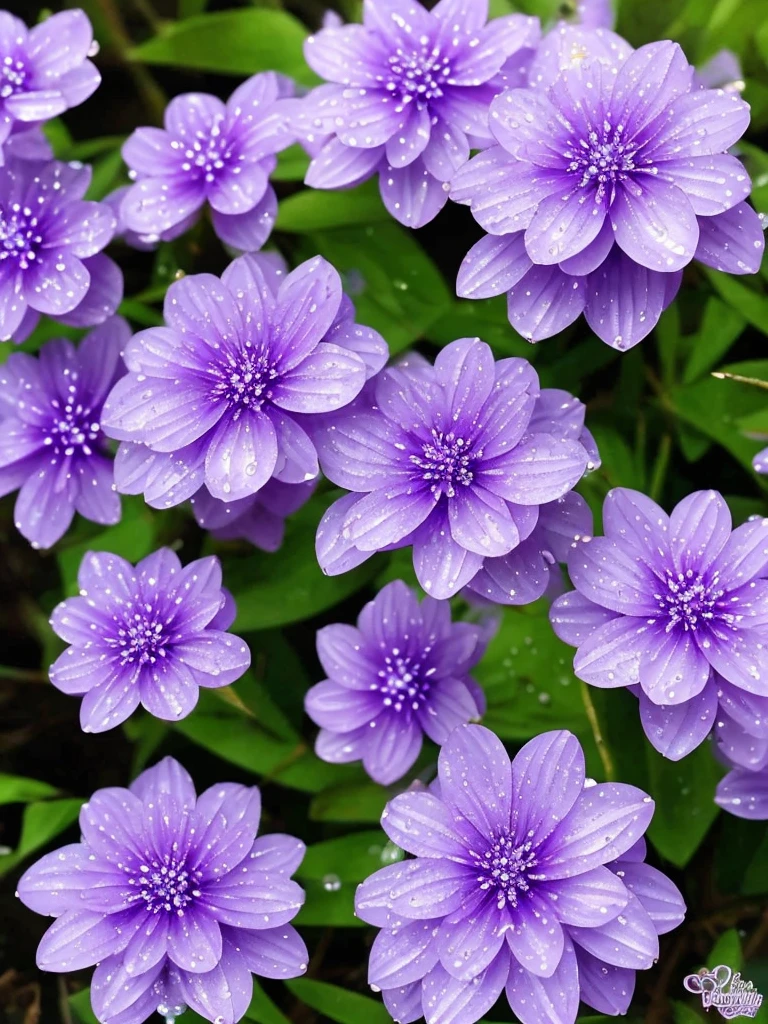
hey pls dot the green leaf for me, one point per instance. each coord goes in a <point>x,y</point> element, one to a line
<point>238,42</point>
<point>313,210</point>
<point>349,858</point>
<point>14,789</point>
<point>275,589</point>
<point>721,325</point>
<point>292,165</point>
<point>528,678</point>
<point>486,319</point>
<point>189,8</point>
<point>395,286</point>
<point>262,1009</point>
<point>684,792</point>
<point>727,950</point>
<point>329,904</point>
<point>337,1003</point>
<point>756,875</point>
<point>684,1014</point>
<point>229,734</point>
<point>108,173</point>
<point>746,301</point>
<point>80,1005</point>
<point>361,802</point>
<point>41,823</point>
<point>709,405</point>
<point>132,538</point>
<point>140,313</point>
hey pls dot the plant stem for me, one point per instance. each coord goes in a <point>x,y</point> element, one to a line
<point>22,675</point>
<point>602,749</point>
<point>660,467</point>
<point>147,87</point>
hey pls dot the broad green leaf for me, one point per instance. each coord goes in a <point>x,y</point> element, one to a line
<point>189,8</point>
<point>140,313</point>
<point>684,1014</point>
<point>292,164</point>
<point>485,319</point>
<point>528,678</point>
<point>339,1004</point>
<point>239,42</point>
<point>42,822</point>
<point>684,792</point>
<point>727,950</point>
<point>348,858</point>
<point>395,286</point>
<point>275,589</point>
<point>231,735</point>
<point>330,904</point>
<point>132,538</point>
<point>313,210</point>
<point>14,789</point>
<point>361,802</point>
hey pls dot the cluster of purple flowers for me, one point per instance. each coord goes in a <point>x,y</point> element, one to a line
<point>675,608</point>
<point>174,898</point>
<point>52,446</point>
<point>152,635</point>
<point>403,672</point>
<point>452,460</point>
<point>525,879</point>
<point>214,153</point>
<point>610,175</point>
<point>407,97</point>
<point>226,393</point>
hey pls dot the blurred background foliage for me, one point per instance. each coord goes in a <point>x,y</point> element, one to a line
<point>665,424</point>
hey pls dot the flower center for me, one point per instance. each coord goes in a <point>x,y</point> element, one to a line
<point>688,600</point>
<point>244,381</point>
<point>20,236</point>
<point>141,637</point>
<point>418,74</point>
<point>504,868</point>
<point>403,683</point>
<point>13,77</point>
<point>166,886</point>
<point>72,427</point>
<point>602,158</point>
<point>207,154</point>
<point>446,463</point>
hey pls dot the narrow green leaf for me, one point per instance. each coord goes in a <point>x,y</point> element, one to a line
<point>238,42</point>
<point>721,325</point>
<point>292,165</point>
<point>749,303</point>
<point>140,313</point>
<point>262,1009</point>
<point>14,789</point>
<point>727,950</point>
<point>337,1003</point>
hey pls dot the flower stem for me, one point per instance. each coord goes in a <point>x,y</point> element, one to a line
<point>602,749</point>
<point>146,86</point>
<point>660,467</point>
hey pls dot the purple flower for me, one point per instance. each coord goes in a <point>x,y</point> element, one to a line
<point>408,97</point>
<point>48,237</point>
<point>225,394</point>
<point>173,897</point>
<point>403,672</point>
<point>663,601</point>
<point>214,153</point>
<point>259,519</point>
<point>760,461</point>
<point>151,635</point>
<point>610,175</point>
<point>53,449</point>
<point>530,570</point>
<point>525,877</point>
<point>43,70</point>
<point>741,742</point>
<point>445,460</point>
